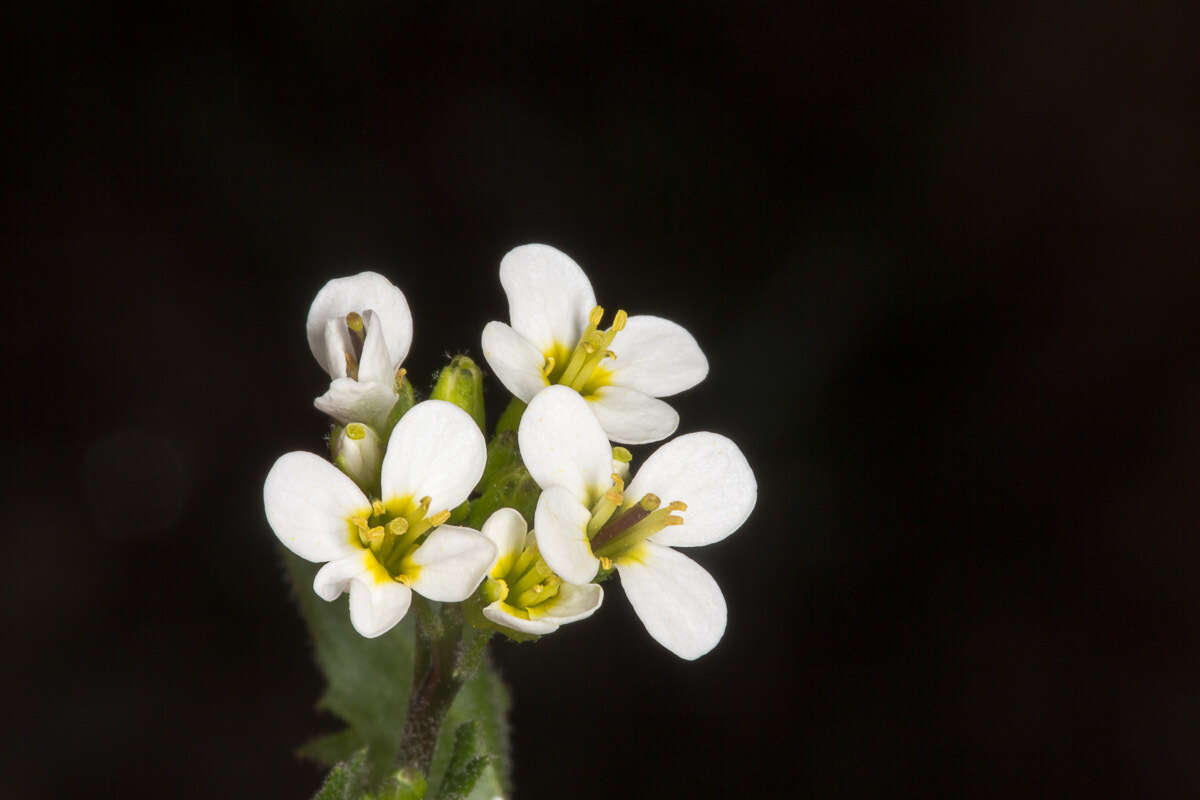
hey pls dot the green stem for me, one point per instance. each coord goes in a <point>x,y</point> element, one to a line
<point>446,655</point>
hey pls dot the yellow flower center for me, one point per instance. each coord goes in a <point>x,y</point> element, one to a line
<point>618,524</point>
<point>581,368</point>
<point>526,584</point>
<point>393,531</point>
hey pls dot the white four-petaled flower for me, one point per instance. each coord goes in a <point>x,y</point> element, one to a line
<point>528,597</point>
<point>360,329</point>
<point>555,339</point>
<point>695,490</point>
<point>383,550</point>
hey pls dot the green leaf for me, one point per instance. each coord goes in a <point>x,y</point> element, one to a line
<point>368,683</point>
<point>331,748</point>
<point>367,680</point>
<point>345,780</point>
<point>484,700</point>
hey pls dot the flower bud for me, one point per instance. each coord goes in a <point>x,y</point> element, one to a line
<point>461,383</point>
<point>406,400</point>
<point>358,452</point>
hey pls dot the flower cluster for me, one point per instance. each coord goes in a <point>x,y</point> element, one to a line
<point>385,514</point>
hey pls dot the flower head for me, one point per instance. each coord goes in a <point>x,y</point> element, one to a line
<point>695,490</point>
<point>383,549</point>
<point>556,338</point>
<point>360,329</point>
<point>524,594</point>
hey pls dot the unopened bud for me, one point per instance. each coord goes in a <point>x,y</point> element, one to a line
<point>406,400</point>
<point>358,452</point>
<point>461,382</point>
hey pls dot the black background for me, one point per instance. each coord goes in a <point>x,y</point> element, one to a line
<point>942,261</point>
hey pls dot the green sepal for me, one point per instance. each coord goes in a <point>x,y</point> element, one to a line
<point>459,513</point>
<point>461,382</point>
<point>407,399</point>
<point>510,420</point>
<point>346,780</point>
<point>502,453</point>
<point>513,487</point>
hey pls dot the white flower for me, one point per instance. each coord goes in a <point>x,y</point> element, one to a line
<point>554,339</point>
<point>587,520</point>
<point>383,550</point>
<point>526,596</point>
<point>359,330</point>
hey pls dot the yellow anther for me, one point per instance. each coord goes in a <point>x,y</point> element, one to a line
<point>402,579</point>
<point>377,507</point>
<point>618,482</point>
<point>438,518</point>
<point>673,520</point>
<point>398,526</point>
<point>610,354</point>
<point>399,379</point>
<point>677,505</point>
<point>619,321</point>
<point>376,536</point>
<point>605,562</point>
<point>595,315</point>
<point>622,455</point>
<point>614,496</point>
<point>548,367</point>
<point>354,322</point>
<point>351,366</point>
<point>424,504</point>
<point>650,502</point>
<point>589,348</point>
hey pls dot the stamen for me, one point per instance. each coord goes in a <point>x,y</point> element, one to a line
<point>536,574</point>
<point>619,321</point>
<point>354,322</point>
<point>438,518</point>
<point>606,506</point>
<point>548,367</point>
<point>378,507</point>
<point>677,505</point>
<point>398,527</point>
<point>403,579</point>
<point>624,521</point>
<point>351,366</point>
<point>605,563</point>
<point>525,560</point>
<point>595,315</point>
<point>399,379</point>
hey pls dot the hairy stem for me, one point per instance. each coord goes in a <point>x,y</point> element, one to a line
<point>446,655</point>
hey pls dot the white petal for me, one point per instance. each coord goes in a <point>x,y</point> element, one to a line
<point>498,613</point>
<point>506,529</point>
<point>450,563</point>
<point>562,444</point>
<point>335,577</point>
<point>436,450</point>
<point>377,606</point>
<point>709,473</point>
<point>514,359</point>
<point>549,296</point>
<point>675,598</point>
<point>632,417</point>
<point>570,604</point>
<point>561,525</point>
<point>348,400</point>
<point>337,345</point>
<point>656,356</point>
<point>362,292</point>
<point>308,502</point>
<point>376,364</point>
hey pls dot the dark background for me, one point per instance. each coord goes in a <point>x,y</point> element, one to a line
<point>942,261</point>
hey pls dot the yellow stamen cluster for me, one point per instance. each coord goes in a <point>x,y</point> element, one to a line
<point>526,584</point>
<point>390,540</point>
<point>591,349</point>
<point>612,532</point>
